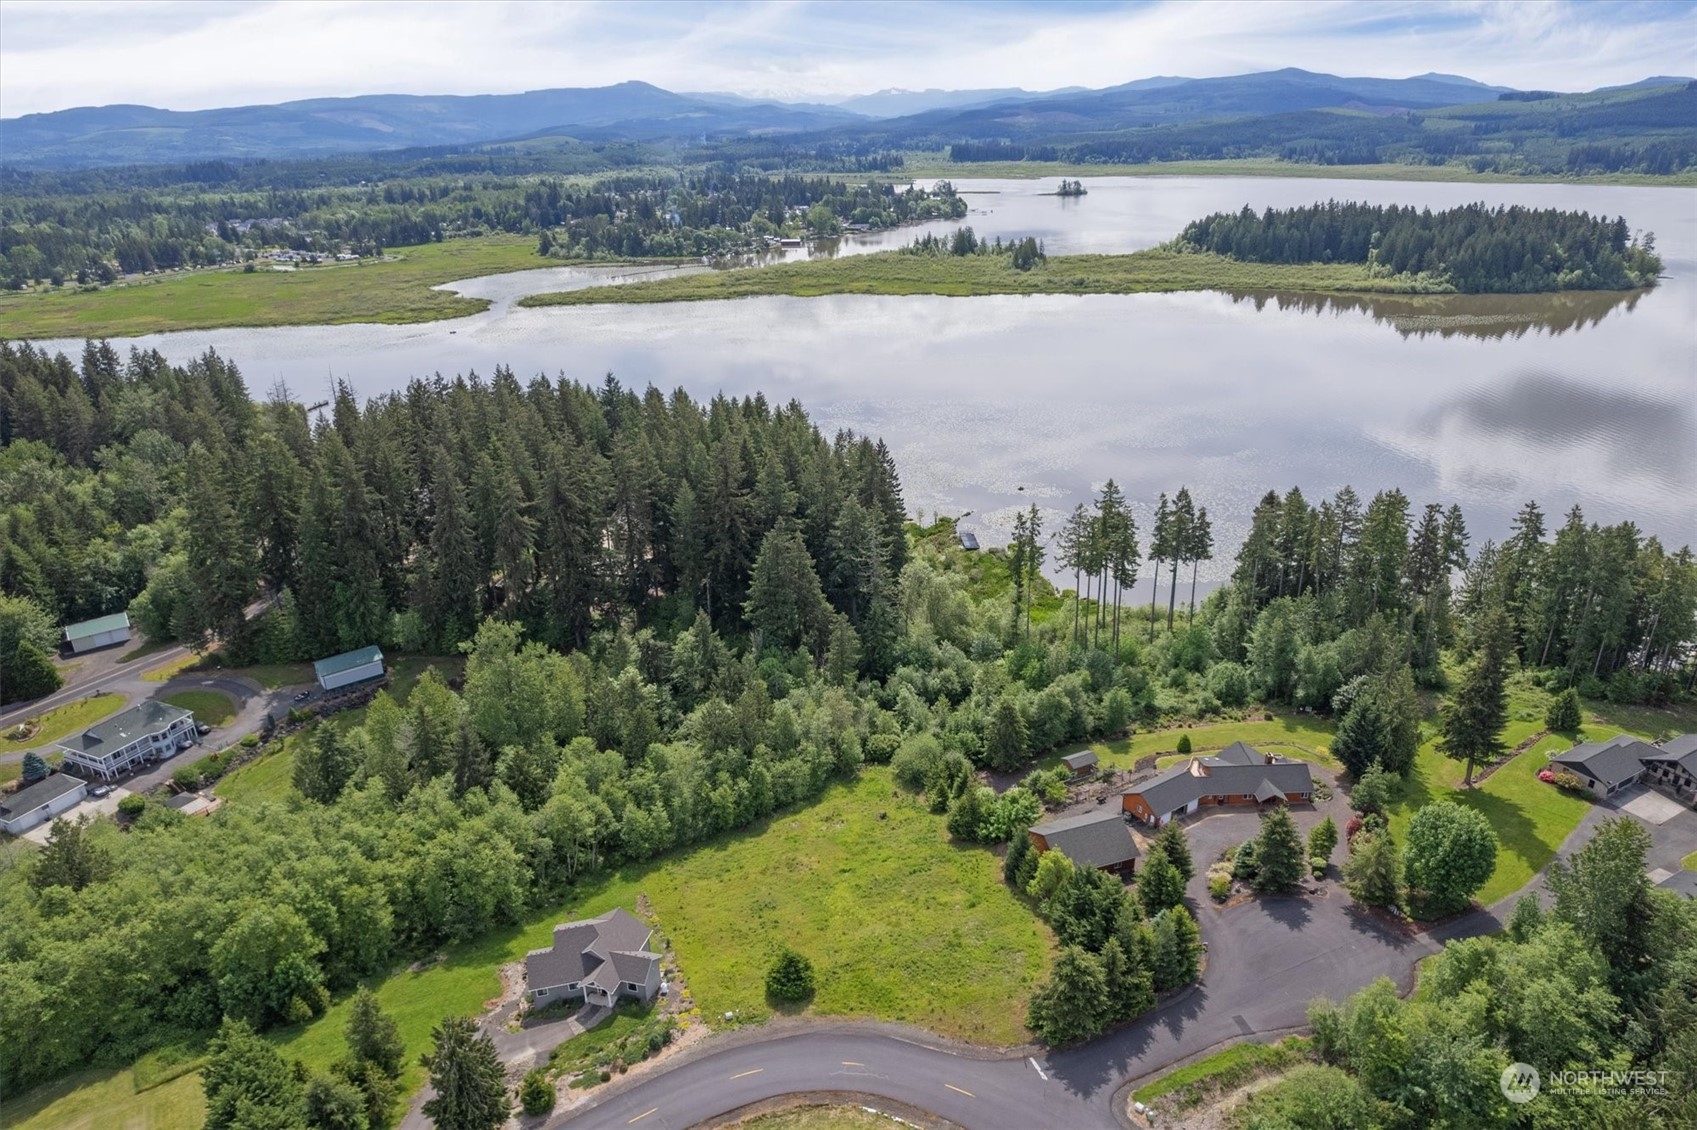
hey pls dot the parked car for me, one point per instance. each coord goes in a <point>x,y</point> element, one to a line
<point>202,728</point>
<point>100,790</point>
<point>303,696</point>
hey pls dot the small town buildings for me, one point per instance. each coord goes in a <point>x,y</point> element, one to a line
<point>103,631</point>
<point>597,961</point>
<point>40,802</point>
<point>349,668</point>
<point>1673,766</point>
<point>1096,839</point>
<point>1081,763</point>
<point>150,731</point>
<point>1607,767</point>
<point>1238,774</point>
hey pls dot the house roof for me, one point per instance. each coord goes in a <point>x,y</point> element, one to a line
<point>1095,839</point>
<point>97,625</point>
<point>1611,762</point>
<point>347,661</point>
<point>1082,760</point>
<point>1681,882</point>
<point>142,720</point>
<point>44,791</point>
<point>611,946</point>
<point>968,540</point>
<point>1237,770</point>
<point>1680,751</point>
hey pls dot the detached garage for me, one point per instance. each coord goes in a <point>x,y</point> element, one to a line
<point>348,668</point>
<point>102,632</point>
<point>43,800</point>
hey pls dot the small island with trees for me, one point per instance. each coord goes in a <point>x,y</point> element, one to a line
<point>1072,188</point>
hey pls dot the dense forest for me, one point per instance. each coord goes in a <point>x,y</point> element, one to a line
<point>53,235</point>
<point>1474,249</point>
<point>678,618</point>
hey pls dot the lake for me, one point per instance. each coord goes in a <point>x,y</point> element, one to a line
<point>994,403</point>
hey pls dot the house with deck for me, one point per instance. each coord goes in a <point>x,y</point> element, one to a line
<point>599,961</point>
<point>1096,839</point>
<point>1673,766</point>
<point>1238,774</point>
<point>149,731</point>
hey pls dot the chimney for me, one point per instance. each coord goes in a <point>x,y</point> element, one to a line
<point>1267,758</point>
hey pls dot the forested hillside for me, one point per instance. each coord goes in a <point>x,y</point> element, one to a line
<point>1475,249</point>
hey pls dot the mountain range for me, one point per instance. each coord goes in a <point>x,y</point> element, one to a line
<point>639,111</point>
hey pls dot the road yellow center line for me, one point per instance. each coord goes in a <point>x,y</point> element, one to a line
<point>952,1087</point>
<point>643,1115</point>
<point>756,1071</point>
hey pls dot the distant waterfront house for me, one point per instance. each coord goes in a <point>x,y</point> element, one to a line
<point>348,668</point>
<point>598,961</point>
<point>1608,767</point>
<point>150,731</point>
<point>103,631</point>
<point>1096,839</point>
<point>40,802</point>
<point>1673,766</point>
<point>1080,763</point>
<point>1238,774</point>
<point>968,539</point>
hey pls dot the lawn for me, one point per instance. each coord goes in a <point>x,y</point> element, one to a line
<point>109,1100</point>
<point>397,290</point>
<point>820,1118</point>
<point>67,719</point>
<point>144,649</point>
<point>1531,818</point>
<point>896,273</point>
<point>1224,1071</point>
<point>1293,735</point>
<point>900,923</point>
<point>1689,862</point>
<point>212,707</point>
<point>268,675</point>
<point>269,778</point>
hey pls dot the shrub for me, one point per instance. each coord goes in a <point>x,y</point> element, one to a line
<point>1372,793</point>
<point>35,768</point>
<point>132,806</point>
<point>1244,865</point>
<point>1323,839</point>
<point>1569,780</point>
<point>1564,716</point>
<point>1317,866</point>
<point>1184,743</point>
<point>536,1094</point>
<point>249,740</point>
<point>1220,887</point>
<point>878,749</point>
<point>1229,682</point>
<point>187,778</point>
<point>790,979</point>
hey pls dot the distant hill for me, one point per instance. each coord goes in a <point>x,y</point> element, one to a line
<point>110,135</point>
<point>895,103</point>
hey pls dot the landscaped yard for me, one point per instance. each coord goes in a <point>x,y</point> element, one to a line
<point>900,924</point>
<point>67,719</point>
<point>625,1034</point>
<point>212,707</point>
<point>1291,735</point>
<point>269,778</point>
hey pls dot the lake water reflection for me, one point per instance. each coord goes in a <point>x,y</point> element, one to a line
<point>1485,401</point>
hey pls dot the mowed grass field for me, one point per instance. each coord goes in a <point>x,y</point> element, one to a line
<point>66,719</point>
<point>897,273</point>
<point>109,1100</point>
<point>1290,735</point>
<point>394,291</point>
<point>212,707</point>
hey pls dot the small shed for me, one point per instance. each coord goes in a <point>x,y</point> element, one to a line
<point>1080,763</point>
<point>348,668</point>
<point>968,539</point>
<point>103,631</point>
<point>42,801</point>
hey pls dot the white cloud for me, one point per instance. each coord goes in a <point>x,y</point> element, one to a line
<point>192,55</point>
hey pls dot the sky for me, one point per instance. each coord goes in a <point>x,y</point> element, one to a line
<point>196,55</point>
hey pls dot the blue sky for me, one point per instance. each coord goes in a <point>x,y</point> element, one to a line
<point>194,55</point>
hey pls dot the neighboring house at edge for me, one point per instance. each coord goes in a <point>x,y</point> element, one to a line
<point>1096,839</point>
<point>149,731</point>
<point>1238,774</point>
<point>1673,766</point>
<point>40,802</point>
<point>1608,767</point>
<point>598,961</point>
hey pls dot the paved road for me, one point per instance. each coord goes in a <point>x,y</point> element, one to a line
<point>1267,959</point>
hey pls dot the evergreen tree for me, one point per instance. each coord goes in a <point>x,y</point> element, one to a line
<point>324,764</point>
<point>1159,883</point>
<point>1565,716</point>
<point>1007,743</point>
<point>785,600</point>
<point>1171,840</point>
<point>1478,709</point>
<point>1131,986</point>
<point>1373,871</point>
<point>1603,892</point>
<point>1074,1005</point>
<point>372,1035</point>
<point>1018,849</point>
<point>334,1104</point>
<point>466,1074</point>
<point>220,556</point>
<point>34,768</point>
<point>1178,948</point>
<point>1279,856</point>
<point>1323,840</point>
<point>247,1083</point>
<point>69,858</point>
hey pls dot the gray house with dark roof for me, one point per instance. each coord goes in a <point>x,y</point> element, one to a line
<point>1096,839</point>
<point>146,732</point>
<point>598,961</point>
<point>1607,767</point>
<point>1238,774</point>
<point>1673,766</point>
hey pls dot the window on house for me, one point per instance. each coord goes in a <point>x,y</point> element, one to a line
<point>542,992</point>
